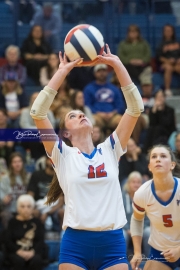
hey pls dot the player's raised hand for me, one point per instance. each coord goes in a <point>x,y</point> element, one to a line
<point>135,261</point>
<point>171,255</point>
<point>108,58</point>
<point>68,65</point>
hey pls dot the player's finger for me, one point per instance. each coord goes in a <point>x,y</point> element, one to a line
<point>60,56</point>
<point>104,53</point>
<point>101,58</point>
<point>65,58</point>
<point>78,61</point>
<point>165,252</point>
<point>107,48</point>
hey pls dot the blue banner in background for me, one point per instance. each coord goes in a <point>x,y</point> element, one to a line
<point>31,135</point>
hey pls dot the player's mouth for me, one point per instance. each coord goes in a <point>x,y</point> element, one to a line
<point>83,120</point>
<point>158,166</point>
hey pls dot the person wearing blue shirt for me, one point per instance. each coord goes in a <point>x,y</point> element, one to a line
<point>51,24</point>
<point>104,99</point>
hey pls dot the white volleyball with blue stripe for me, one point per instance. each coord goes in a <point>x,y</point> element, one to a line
<point>84,41</point>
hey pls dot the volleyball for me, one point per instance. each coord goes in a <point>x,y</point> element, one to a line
<point>84,41</point>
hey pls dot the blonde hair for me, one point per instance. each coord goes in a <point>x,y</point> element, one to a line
<point>130,177</point>
<point>25,198</point>
<point>22,173</point>
<point>18,89</point>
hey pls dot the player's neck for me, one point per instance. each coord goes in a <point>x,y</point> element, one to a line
<point>163,182</point>
<point>84,144</point>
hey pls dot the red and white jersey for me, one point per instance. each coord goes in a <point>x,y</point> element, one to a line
<point>164,216</point>
<point>91,186</point>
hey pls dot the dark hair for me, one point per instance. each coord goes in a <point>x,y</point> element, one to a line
<point>22,173</point>
<point>176,170</point>
<point>157,92</point>
<point>4,111</point>
<point>173,35</point>
<point>55,190</point>
<point>73,101</point>
<point>135,28</point>
<point>30,37</point>
<point>48,67</point>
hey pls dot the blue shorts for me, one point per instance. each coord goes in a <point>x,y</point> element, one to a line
<point>93,250</point>
<point>155,255</point>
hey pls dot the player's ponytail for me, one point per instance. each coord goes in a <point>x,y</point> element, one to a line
<point>54,191</point>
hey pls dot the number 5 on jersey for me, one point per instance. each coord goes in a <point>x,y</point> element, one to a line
<point>167,219</point>
<point>96,172</point>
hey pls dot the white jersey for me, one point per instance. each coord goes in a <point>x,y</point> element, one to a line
<point>164,216</point>
<point>91,186</point>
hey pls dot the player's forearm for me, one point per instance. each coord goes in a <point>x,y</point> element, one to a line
<point>122,74</point>
<point>137,240</point>
<point>58,78</point>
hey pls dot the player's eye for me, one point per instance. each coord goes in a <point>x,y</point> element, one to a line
<point>72,116</point>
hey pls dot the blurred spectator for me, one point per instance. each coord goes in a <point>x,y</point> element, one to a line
<point>51,24</point>
<point>168,56</point>
<point>6,147</point>
<point>147,88</point>
<point>135,53</point>
<point>62,97</point>
<point>24,238</point>
<point>12,186</point>
<point>104,99</point>
<point>142,122</point>
<point>161,122</point>
<point>26,121</point>
<point>77,103</point>
<point>35,51</point>
<point>134,181</point>
<point>80,77</point>
<point>147,94</point>
<point>39,181</point>
<point>59,113</point>
<point>177,145</point>
<point>12,98</point>
<point>177,153</point>
<point>51,215</point>
<point>133,160</point>
<point>48,71</point>
<point>26,11</point>
<point>3,171</point>
<point>12,54</point>
<point>97,136</point>
<point>38,188</point>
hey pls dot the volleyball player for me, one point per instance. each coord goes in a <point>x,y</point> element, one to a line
<point>159,199</point>
<point>94,212</point>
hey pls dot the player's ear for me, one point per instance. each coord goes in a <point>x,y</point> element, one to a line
<point>173,165</point>
<point>66,134</point>
<point>149,167</point>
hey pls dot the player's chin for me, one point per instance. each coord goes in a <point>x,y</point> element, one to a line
<point>86,125</point>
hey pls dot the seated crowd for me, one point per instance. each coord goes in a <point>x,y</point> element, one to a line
<point>25,170</point>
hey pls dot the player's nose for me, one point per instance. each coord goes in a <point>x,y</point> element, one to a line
<point>81,115</point>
